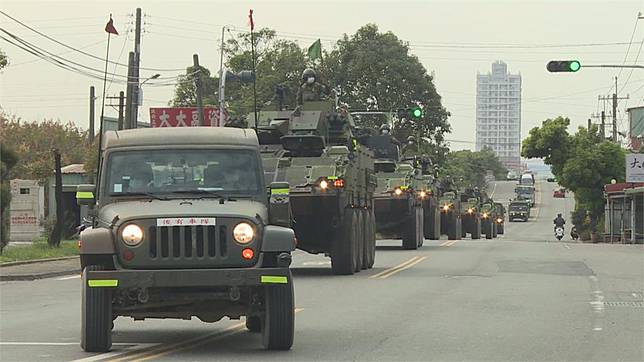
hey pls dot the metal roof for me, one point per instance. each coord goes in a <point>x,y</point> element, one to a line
<point>171,136</point>
<point>73,168</point>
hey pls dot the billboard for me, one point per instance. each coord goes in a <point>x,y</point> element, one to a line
<point>185,117</point>
<point>635,167</point>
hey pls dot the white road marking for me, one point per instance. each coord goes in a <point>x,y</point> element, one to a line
<point>493,190</point>
<point>597,304</point>
<point>69,277</point>
<point>65,344</point>
<point>566,246</point>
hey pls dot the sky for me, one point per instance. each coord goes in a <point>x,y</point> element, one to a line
<point>454,40</point>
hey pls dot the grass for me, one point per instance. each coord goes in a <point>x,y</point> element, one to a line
<point>38,250</point>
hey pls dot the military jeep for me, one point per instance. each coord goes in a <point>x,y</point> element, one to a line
<point>182,226</point>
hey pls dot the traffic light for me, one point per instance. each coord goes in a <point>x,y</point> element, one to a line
<point>563,66</point>
<point>417,112</point>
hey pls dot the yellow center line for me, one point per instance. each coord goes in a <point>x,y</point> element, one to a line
<point>403,268</point>
<point>401,265</point>
<point>155,353</point>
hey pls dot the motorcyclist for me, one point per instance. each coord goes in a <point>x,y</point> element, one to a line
<point>559,221</point>
<point>573,233</point>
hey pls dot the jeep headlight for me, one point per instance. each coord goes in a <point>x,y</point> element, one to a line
<point>132,235</point>
<point>243,233</point>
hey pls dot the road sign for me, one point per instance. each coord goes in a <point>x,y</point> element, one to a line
<point>635,167</point>
<point>185,117</point>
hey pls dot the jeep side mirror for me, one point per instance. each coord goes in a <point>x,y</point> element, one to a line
<point>85,195</point>
<point>279,211</point>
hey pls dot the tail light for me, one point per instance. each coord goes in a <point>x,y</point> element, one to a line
<point>338,183</point>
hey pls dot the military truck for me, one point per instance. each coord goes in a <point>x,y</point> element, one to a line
<point>525,192</point>
<point>518,209</point>
<point>470,213</point>
<point>451,215</point>
<point>489,216</point>
<point>182,226</point>
<point>330,180</point>
<point>500,218</point>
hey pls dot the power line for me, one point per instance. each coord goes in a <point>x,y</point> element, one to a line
<point>78,50</point>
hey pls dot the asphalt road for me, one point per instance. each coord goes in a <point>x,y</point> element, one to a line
<point>519,297</point>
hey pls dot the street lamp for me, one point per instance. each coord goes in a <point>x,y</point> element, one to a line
<point>149,78</point>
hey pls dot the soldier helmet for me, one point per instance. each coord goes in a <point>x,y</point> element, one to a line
<point>411,139</point>
<point>308,73</point>
<point>385,127</point>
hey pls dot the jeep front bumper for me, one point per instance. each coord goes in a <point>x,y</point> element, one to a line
<point>169,278</point>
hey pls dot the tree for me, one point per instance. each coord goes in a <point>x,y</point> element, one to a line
<point>468,169</point>
<point>185,93</point>
<point>583,163</point>
<point>372,69</point>
<point>33,142</point>
<point>8,160</point>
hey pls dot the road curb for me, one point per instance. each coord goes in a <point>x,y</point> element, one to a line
<point>34,261</point>
<point>29,277</point>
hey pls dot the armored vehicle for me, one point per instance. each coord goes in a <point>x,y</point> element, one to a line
<point>500,218</point>
<point>470,213</point>
<point>518,209</point>
<point>488,219</point>
<point>451,215</point>
<point>330,180</point>
<point>182,226</point>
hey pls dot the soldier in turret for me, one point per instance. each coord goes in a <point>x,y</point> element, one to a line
<point>411,148</point>
<point>311,89</point>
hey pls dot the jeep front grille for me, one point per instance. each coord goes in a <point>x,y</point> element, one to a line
<point>188,242</point>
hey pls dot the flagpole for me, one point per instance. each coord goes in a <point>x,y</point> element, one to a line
<point>252,52</point>
<point>100,127</point>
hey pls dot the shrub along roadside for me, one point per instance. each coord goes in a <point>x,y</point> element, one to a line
<point>39,250</point>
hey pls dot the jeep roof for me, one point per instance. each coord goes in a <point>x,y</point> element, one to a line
<point>181,136</point>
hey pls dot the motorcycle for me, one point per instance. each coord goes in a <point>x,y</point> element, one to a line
<point>559,232</point>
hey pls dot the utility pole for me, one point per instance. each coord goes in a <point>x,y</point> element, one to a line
<point>121,109</point>
<point>92,103</point>
<point>590,123</point>
<point>614,99</point>
<point>600,116</point>
<point>198,89</point>
<point>135,71</point>
<point>222,78</point>
<point>129,90</point>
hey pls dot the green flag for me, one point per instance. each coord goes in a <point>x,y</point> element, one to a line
<point>315,50</point>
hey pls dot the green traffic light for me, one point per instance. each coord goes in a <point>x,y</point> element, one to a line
<point>417,112</point>
<point>574,66</point>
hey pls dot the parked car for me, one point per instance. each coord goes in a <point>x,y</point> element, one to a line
<point>559,193</point>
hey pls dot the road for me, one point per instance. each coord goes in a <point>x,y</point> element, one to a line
<point>519,297</point>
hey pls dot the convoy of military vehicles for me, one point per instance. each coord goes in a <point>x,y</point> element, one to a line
<point>201,222</point>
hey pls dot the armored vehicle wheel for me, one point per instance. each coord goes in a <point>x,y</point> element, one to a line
<point>367,240</point>
<point>412,231</point>
<point>371,255</point>
<point>500,229</point>
<point>494,230</point>
<point>279,317</point>
<point>421,226</point>
<point>96,315</point>
<point>431,224</point>
<point>487,227</point>
<point>343,254</point>
<point>360,238</point>
<point>476,233</point>
<point>254,324</point>
<point>453,227</point>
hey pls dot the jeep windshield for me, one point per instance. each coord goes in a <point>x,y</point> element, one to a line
<point>518,208</point>
<point>202,172</point>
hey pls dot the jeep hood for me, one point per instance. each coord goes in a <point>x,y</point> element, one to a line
<point>150,209</point>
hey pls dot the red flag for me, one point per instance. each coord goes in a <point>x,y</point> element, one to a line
<point>110,27</point>
<point>250,17</point>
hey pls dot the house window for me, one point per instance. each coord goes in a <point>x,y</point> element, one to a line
<point>24,191</point>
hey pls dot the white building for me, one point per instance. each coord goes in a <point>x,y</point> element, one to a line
<point>498,114</point>
<point>27,210</point>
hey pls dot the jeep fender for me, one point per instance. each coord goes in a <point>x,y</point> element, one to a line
<point>278,238</point>
<point>97,241</point>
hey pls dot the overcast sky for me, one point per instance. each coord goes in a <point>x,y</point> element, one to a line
<point>173,30</point>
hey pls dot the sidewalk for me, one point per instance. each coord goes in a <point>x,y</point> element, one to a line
<point>40,269</point>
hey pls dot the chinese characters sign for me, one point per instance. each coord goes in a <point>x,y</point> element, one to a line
<point>186,221</point>
<point>635,167</point>
<point>185,117</point>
